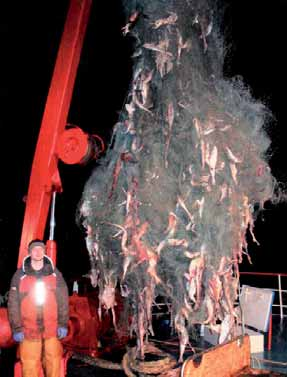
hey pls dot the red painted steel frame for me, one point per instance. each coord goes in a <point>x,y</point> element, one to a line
<point>44,177</point>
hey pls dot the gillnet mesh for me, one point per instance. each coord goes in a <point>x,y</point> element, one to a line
<point>167,210</point>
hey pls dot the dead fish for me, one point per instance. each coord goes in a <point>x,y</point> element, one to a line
<point>130,109</point>
<point>190,286</point>
<point>179,324</point>
<point>181,46</point>
<point>232,157</point>
<point>223,190</point>
<point>170,114</point>
<point>172,224</point>
<point>197,127</point>
<point>211,161</point>
<point>127,28</point>
<point>158,48</point>
<point>200,204</point>
<point>233,170</point>
<point>210,310</point>
<point>177,242</point>
<point>171,20</point>
<point>183,206</point>
<point>225,328</point>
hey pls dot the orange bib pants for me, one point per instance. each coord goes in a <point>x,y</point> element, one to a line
<point>43,352</point>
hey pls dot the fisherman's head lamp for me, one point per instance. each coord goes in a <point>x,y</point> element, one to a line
<point>40,293</point>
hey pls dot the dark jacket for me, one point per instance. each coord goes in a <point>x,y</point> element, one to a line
<point>38,320</point>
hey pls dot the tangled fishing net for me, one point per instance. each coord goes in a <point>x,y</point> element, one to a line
<point>168,208</point>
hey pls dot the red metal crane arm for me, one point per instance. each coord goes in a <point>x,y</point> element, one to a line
<point>44,178</point>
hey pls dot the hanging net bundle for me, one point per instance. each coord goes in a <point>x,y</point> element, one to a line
<point>169,207</point>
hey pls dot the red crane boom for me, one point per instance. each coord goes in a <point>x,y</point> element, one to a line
<point>45,177</point>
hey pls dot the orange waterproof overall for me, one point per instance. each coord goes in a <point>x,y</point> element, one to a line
<point>40,345</point>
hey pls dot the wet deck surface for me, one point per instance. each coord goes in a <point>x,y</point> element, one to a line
<point>276,358</point>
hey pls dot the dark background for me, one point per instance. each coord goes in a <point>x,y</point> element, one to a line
<point>30,34</point>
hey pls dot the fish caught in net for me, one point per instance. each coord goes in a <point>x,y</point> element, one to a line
<point>167,209</point>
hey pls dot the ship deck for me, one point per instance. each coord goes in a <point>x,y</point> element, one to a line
<point>274,361</point>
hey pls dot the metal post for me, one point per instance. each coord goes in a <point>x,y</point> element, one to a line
<point>280,297</point>
<point>269,346</point>
<point>52,218</point>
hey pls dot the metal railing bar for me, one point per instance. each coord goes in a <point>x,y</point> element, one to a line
<point>263,273</point>
<point>280,296</point>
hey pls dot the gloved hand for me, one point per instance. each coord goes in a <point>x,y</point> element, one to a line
<point>18,336</point>
<point>62,332</point>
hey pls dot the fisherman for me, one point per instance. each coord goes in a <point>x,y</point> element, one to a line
<point>38,312</point>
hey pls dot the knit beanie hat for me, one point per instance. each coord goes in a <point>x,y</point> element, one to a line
<point>35,243</point>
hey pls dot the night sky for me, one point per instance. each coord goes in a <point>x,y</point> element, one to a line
<point>30,34</point>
